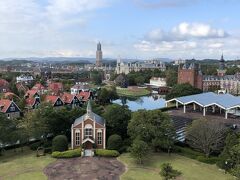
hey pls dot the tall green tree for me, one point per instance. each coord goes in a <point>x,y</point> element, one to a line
<point>117,118</point>
<point>153,127</point>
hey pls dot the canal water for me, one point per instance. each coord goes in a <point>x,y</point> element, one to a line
<point>144,102</point>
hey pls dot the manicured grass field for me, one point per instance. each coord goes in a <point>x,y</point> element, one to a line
<point>191,169</point>
<point>135,92</point>
<point>23,165</point>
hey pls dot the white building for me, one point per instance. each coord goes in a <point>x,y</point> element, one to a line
<point>157,81</point>
<point>24,78</point>
<point>78,87</point>
<point>179,62</point>
<point>125,68</point>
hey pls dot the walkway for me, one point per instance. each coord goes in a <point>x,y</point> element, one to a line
<point>88,168</point>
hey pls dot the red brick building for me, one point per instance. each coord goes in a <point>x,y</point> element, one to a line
<point>190,74</point>
<point>89,131</point>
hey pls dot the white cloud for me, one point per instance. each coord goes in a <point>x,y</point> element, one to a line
<point>30,27</point>
<point>186,31</point>
<point>197,30</point>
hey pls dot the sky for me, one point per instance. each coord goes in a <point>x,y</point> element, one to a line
<point>136,29</point>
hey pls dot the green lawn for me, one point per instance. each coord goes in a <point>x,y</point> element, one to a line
<point>191,169</point>
<point>132,92</point>
<point>23,165</point>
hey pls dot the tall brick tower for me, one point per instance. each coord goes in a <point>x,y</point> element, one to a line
<point>99,55</point>
<point>190,74</point>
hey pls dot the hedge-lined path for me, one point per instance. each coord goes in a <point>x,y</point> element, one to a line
<point>88,168</point>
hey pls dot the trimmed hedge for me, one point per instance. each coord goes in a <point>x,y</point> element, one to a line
<point>67,154</point>
<point>106,153</point>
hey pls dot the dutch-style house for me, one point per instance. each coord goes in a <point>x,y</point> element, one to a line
<point>32,99</point>
<point>89,131</point>
<point>70,100</point>
<point>84,96</point>
<point>40,88</point>
<point>56,101</point>
<point>9,108</point>
<point>55,88</point>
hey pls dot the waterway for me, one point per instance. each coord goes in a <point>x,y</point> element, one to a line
<point>144,102</point>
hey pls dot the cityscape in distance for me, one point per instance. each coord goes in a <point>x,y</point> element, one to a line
<point>138,89</point>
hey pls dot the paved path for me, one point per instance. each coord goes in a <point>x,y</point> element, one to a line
<point>89,168</point>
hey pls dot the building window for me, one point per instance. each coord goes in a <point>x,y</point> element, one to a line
<point>99,138</point>
<point>88,132</point>
<point>59,102</point>
<point>77,138</point>
<point>12,108</point>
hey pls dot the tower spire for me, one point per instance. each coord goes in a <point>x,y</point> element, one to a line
<point>89,107</point>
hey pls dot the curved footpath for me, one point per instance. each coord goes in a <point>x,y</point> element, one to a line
<point>85,168</point>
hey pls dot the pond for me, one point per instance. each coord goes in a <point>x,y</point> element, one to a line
<point>145,102</point>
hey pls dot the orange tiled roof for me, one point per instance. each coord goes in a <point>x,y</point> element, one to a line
<point>67,97</point>
<point>55,86</point>
<point>5,103</point>
<point>38,87</point>
<point>84,95</point>
<point>31,92</point>
<point>3,82</point>
<point>30,101</point>
<point>51,99</point>
<point>20,86</point>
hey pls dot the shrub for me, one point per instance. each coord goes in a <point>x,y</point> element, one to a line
<point>185,151</point>
<point>60,143</point>
<point>114,142</point>
<point>48,150</point>
<point>139,150</point>
<point>35,145</point>
<point>236,171</point>
<point>107,153</point>
<point>67,154</point>
<point>167,172</point>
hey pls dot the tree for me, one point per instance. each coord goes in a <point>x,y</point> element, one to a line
<point>114,142</point>
<point>139,150</point>
<point>117,118</point>
<point>182,90</point>
<point>225,156</point>
<point>96,77</point>
<point>121,80</point>
<point>167,172</point>
<point>153,127</point>
<point>105,96</point>
<point>171,77</point>
<point>206,135</point>
<point>59,143</point>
